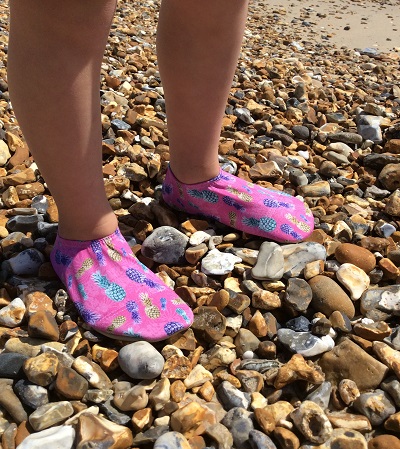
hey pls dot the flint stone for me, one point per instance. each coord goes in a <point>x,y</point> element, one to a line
<point>270,262</point>
<point>392,386</point>
<point>113,414</point>
<point>258,440</point>
<point>298,294</point>
<point>312,422</point>
<point>376,406</point>
<point>128,398</point>
<point>368,126</point>
<point>346,137</point>
<point>305,343</point>
<point>298,255</point>
<point>172,440</point>
<point>10,402</point>
<point>386,299</point>
<point>24,223</point>
<point>165,245</point>
<point>150,436</point>
<point>238,421</point>
<point>11,364</point>
<point>218,263</point>
<point>341,439</point>
<point>356,255</point>
<point>60,437</point>
<point>140,360</point>
<point>13,314</point>
<point>92,373</point>
<point>321,395</point>
<point>354,279</point>
<point>384,442</point>
<point>390,176</point>
<point>348,361</point>
<point>26,262</point>
<point>50,414</point>
<point>221,435</point>
<point>231,397</point>
<point>34,396</point>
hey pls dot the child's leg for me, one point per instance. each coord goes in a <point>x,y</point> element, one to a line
<point>198,47</point>
<point>55,53</point>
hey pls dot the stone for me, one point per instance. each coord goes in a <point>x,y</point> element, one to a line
<point>70,384</point>
<point>172,440</point>
<point>329,297</point>
<point>372,331</point>
<point>392,386</point>
<point>348,361</point>
<point>111,412</point>
<point>177,367</point>
<point>10,402</point>
<point>238,421</point>
<point>265,300</point>
<point>96,431</point>
<point>197,377</point>
<point>376,406</point>
<point>30,394</point>
<point>60,437</point>
<point>305,343</point>
<point>130,398</point>
<point>384,442</point>
<point>349,421</point>
<point>140,360</point>
<point>348,391</point>
<point>393,205</point>
<point>246,341</point>
<point>50,414</point>
<point>209,324</point>
<point>298,294</point>
<point>270,262</point>
<point>11,364</point>
<point>298,255</point>
<point>231,397</point>
<point>286,438</point>
<point>27,262</point>
<point>142,419</point>
<point>165,245</point>
<point>160,394</point>
<point>13,314</point>
<point>354,279</point>
<point>321,395</point>
<point>389,356</point>
<point>92,372</point>
<point>356,255</point>
<point>39,301</point>
<point>390,177</point>
<point>42,324</point>
<point>219,433</point>
<point>218,263</point>
<point>258,440</point>
<point>311,421</point>
<point>194,253</point>
<point>42,369</point>
<point>188,418</point>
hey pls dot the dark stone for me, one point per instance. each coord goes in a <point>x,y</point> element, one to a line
<point>11,365</point>
<point>24,223</point>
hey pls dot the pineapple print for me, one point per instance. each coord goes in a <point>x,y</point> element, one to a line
<point>86,265</point>
<point>111,289</point>
<point>303,226</point>
<point>232,219</point>
<point>287,229</point>
<point>117,322</point>
<point>82,292</point>
<point>205,195</point>
<point>180,190</point>
<point>96,248</point>
<point>112,252</point>
<point>150,309</point>
<point>177,301</point>
<point>231,202</point>
<point>183,314</point>
<point>243,196</point>
<point>267,224</point>
<point>252,222</point>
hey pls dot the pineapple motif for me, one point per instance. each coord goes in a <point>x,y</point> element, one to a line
<point>243,196</point>
<point>180,190</point>
<point>62,259</point>
<point>276,204</point>
<point>287,229</point>
<point>96,248</point>
<point>86,265</point>
<point>231,202</point>
<point>111,289</point>
<point>133,309</point>
<point>150,309</point>
<point>70,281</point>
<point>267,224</point>
<point>117,322</point>
<point>82,292</point>
<point>178,301</point>
<point>163,302</point>
<point>136,276</point>
<point>87,315</point>
<point>112,252</point>
<point>172,328</point>
<point>232,219</point>
<point>183,314</point>
<point>303,226</point>
<point>205,195</point>
<point>252,222</point>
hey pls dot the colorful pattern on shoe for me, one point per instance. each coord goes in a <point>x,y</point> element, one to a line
<point>242,205</point>
<point>115,293</point>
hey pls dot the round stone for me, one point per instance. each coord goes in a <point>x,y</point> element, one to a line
<point>356,255</point>
<point>140,360</point>
<point>328,297</point>
<point>165,245</point>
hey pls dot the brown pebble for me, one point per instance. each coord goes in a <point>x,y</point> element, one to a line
<point>42,324</point>
<point>286,438</point>
<point>70,384</point>
<point>178,390</point>
<point>265,420</point>
<point>356,255</point>
<point>384,442</point>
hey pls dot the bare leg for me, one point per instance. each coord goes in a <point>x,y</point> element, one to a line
<point>198,44</point>
<point>55,53</point>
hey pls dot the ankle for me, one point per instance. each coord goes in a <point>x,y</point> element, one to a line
<point>88,229</point>
<point>193,174</point>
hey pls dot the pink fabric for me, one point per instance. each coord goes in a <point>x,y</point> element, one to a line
<point>115,293</point>
<point>242,205</point>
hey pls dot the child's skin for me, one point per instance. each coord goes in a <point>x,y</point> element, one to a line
<point>55,53</point>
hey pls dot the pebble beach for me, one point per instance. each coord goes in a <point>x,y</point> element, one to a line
<point>293,346</point>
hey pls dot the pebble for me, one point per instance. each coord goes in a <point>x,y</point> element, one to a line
<point>34,396</point>
<point>11,364</point>
<point>312,422</point>
<point>165,245</point>
<point>297,256</point>
<point>10,402</point>
<point>354,279</point>
<point>329,297</point>
<point>218,263</point>
<point>140,360</point>
<point>305,343</point>
<point>269,263</point>
<point>231,397</point>
<point>376,406</point>
<point>13,314</point>
<point>298,294</point>
<point>384,442</point>
<point>60,437</point>
<point>27,262</point>
<point>172,440</point>
<point>50,414</point>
